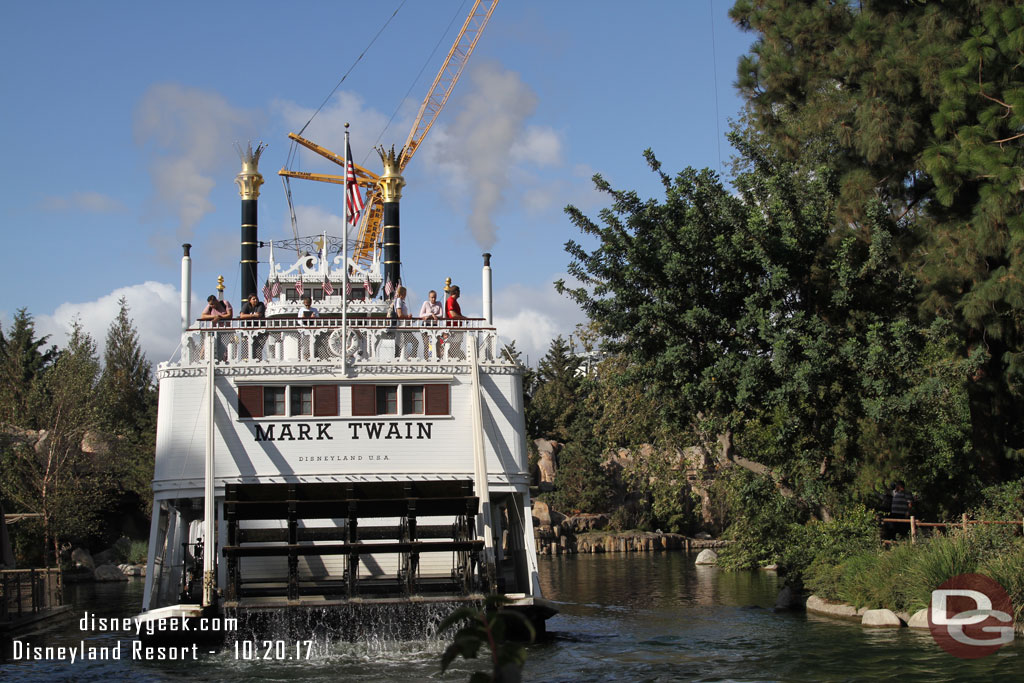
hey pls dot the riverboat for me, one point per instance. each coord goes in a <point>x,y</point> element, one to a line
<point>343,461</point>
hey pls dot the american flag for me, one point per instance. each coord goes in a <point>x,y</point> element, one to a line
<point>328,287</point>
<point>366,288</point>
<point>388,288</point>
<point>348,289</point>
<point>275,290</point>
<point>352,195</point>
<point>298,286</point>
<point>267,293</point>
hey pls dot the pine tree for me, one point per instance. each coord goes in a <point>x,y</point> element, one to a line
<point>128,404</point>
<point>23,358</point>
<point>922,106</point>
<point>556,400</point>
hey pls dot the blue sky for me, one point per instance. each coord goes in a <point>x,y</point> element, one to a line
<point>120,120</point>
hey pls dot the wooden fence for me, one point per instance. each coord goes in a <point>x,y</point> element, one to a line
<point>27,591</point>
<point>916,524</point>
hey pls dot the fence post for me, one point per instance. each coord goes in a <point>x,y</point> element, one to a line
<point>965,521</point>
<point>913,529</point>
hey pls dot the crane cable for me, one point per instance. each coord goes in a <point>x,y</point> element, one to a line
<point>292,149</point>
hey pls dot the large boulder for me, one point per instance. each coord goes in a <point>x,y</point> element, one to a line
<point>95,443</point>
<point>919,619</point>
<point>109,572</point>
<point>585,522</point>
<point>880,618</point>
<point>81,558</point>
<point>707,556</point>
<point>832,609</point>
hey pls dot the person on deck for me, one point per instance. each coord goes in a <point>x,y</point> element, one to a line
<point>216,309</point>
<point>400,305</point>
<point>253,308</point>
<point>307,309</point>
<point>452,309</point>
<point>430,313</point>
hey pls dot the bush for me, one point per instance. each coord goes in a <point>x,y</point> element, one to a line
<point>1008,570</point>
<point>762,520</point>
<point>853,530</point>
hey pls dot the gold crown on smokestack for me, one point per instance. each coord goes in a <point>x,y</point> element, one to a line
<point>249,180</point>
<point>390,181</point>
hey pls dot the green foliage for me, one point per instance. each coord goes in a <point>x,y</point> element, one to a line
<point>560,390</point>
<point>827,544</point>
<point>54,477</point>
<point>920,106</point>
<point>127,402</point>
<point>1007,569</point>
<point>581,481</point>
<point>22,361</point>
<point>761,520</point>
<point>489,627</point>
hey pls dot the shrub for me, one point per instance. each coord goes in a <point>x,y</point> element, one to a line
<point>853,530</point>
<point>1008,570</point>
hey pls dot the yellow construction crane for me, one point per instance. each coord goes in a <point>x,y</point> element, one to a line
<point>444,83</point>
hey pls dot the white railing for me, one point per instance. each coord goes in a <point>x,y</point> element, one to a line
<point>322,341</point>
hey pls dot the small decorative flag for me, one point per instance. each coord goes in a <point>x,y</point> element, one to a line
<point>267,293</point>
<point>298,287</point>
<point>328,287</point>
<point>348,290</point>
<point>275,291</point>
<point>388,288</point>
<point>366,288</point>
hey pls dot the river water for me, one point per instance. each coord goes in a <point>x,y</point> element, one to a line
<point>624,617</point>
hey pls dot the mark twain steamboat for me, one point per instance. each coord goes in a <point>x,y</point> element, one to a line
<point>342,462</point>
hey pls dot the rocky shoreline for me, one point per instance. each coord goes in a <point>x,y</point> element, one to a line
<point>872,618</point>
<point>557,534</point>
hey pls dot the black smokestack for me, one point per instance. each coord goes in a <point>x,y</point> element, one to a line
<point>391,183</point>
<point>249,181</point>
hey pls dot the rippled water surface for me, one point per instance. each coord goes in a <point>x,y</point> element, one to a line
<point>635,617</point>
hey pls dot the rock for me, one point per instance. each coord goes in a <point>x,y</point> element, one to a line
<point>541,513</point>
<point>819,606</point>
<point>585,522</point>
<point>789,599</point>
<point>132,569</point>
<point>770,568</point>
<point>547,463</point>
<point>82,558</point>
<point>881,618</point>
<point>919,619</point>
<point>707,556</point>
<point>702,535</point>
<point>95,443</point>
<point>105,557</point>
<point>43,436</point>
<point>109,572</point>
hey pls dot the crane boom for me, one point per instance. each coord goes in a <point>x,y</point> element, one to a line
<point>447,77</point>
<point>437,96</point>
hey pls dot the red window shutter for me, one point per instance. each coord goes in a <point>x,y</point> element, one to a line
<point>435,399</point>
<point>250,401</point>
<point>364,399</point>
<point>325,400</point>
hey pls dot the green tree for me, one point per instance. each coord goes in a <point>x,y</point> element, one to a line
<point>922,106</point>
<point>757,319</point>
<point>555,401</point>
<point>53,476</point>
<point>23,358</point>
<point>127,401</point>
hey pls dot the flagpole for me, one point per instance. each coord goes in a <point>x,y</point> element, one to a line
<point>344,270</point>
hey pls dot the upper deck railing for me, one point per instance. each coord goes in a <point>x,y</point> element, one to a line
<point>363,342</point>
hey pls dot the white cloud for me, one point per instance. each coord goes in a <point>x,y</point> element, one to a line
<point>186,133</point>
<point>90,202</point>
<point>533,316</point>
<point>154,307</point>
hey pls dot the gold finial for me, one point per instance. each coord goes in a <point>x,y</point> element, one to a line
<point>447,284</point>
<point>249,180</point>
<point>390,181</point>
<point>220,286</point>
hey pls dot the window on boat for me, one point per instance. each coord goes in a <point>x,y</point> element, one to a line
<point>302,400</point>
<point>273,401</point>
<point>387,400</point>
<point>382,399</point>
<point>319,400</point>
<point>412,400</point>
